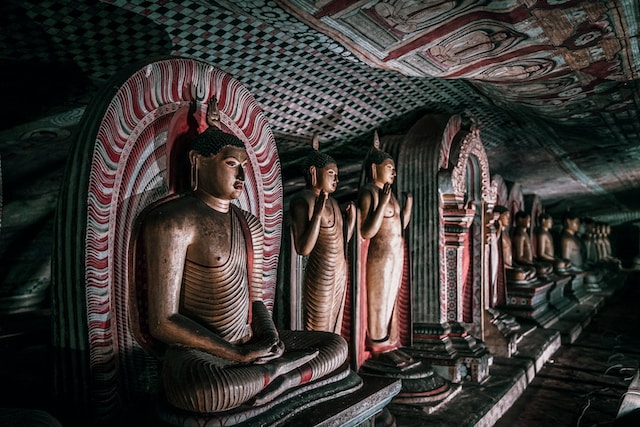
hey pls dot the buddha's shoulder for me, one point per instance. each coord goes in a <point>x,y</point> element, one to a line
<point>250,218</point>
<point>172,208</point>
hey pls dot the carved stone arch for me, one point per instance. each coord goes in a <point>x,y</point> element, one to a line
<point>431,161</point>
<point>468,165</point>
<point>471,146</point>
<point>127,142</point>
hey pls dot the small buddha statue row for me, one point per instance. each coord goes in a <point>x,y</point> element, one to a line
<point>598,245</point>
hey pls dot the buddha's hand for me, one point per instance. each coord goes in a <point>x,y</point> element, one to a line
<point>350,210</point>
<point>384,195</point>
<point>263,351</point>
<point>318,207</point>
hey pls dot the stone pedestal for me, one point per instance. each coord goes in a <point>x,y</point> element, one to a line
<point>452,352</point>
<point>361,408</point>
<point>421,385</point>
<point>500,333</point>
<point>327,391</point>
<point>576,288</point>
<point>530,301</point>
<point>557,295</point>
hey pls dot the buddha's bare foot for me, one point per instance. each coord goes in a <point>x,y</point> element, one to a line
<point>287,377</point>
<point>292,360</point>
<point>275,389</point>
<point>395,357</point>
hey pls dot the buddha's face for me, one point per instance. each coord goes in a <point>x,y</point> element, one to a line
<point>385,172</point>
<point>505,219</point>
<point>327,178</point>
<point>572,224</point>
<point>546,223</point>
<point>222,175</point>
<point>524,221</point>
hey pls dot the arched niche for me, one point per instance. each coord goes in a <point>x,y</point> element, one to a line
<point>432,162</point>
<point>130,141</point>
<point>500,191</point>
<point>533,207</point>
<point>473,255</point>
<point>508,194</point>
<point>515,201</point>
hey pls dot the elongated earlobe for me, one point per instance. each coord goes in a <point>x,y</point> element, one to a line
<point>374,173</point>
<point>194,170</point>
<point>313,172</point>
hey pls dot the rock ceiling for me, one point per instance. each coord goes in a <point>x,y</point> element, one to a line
<point>552,84</point>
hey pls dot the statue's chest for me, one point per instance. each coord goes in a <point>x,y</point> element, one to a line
<point>214,243</point>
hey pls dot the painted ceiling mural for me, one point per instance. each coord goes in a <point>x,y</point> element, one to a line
<point>550,55</point>
<point>552,84</point>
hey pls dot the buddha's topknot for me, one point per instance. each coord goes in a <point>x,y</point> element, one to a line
<point>211,141</point>
<point>317,159</point>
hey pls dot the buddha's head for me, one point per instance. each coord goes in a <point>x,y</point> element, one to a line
<point>504,218</point>
<point>523,219</point>
<point>571,222</point>
<point>545,220</point>
<point>217,162</point>
<point>380,167</point>
<point>321,172</point>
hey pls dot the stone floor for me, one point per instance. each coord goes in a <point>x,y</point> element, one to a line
<point>584,382</point>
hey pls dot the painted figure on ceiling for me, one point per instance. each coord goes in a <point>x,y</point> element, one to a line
<point>319,233</point>
<point>382,224</point>
<point>408,16</point>
<point>204,271</point>
<point>515,71</point>
<point>468,47</point>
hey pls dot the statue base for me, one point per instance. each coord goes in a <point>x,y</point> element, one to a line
<point>530,301</point>
<point>338,385</point>
<point>557,297</point>
<point>452,352</point>
<point>501,333</point>
<point>577,290</point>
<point>421,388</point>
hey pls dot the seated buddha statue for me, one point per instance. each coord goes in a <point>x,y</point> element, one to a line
<point>514,272</point>
<point>523,249</point>
<point>571,248</point>
<point>546,251</point>
<point>318,233</point>
<point>591,252</point>
<point>606,242</point>
<point>204,255</point>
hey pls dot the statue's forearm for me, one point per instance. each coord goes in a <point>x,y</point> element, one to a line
<point>262,322</point>
<point>306,241</point>
<point>371,224</point>
<point>182,331</point>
